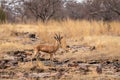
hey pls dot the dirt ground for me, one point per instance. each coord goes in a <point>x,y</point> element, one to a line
<point>77,62</point>
<point>80,58</point>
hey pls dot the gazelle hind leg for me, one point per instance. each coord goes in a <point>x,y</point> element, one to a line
<point>51,59</point>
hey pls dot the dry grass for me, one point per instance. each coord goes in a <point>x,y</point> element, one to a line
<point>104,36</point>
<point>69,28</point>
<point>99,34</point>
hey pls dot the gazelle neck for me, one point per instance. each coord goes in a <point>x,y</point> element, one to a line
<point>57,45</point>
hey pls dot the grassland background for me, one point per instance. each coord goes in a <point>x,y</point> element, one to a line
<point>88,33</point>
<point>105,36</point>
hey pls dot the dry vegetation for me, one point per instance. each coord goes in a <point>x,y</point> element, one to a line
<point>105,36</point>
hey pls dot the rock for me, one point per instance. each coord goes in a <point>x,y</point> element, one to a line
<point>92,48</point>
<point>19,74</point>
<point>75,51</point>
<point>84,68</point>
<point>73,65</point>
<point>11,53</point>
<point>7,57</point>
<point>94,62</point>
<point>7,63</point>
<point>67,46</point>
<point>53,69</point>
<point>28,53</point>
<point>116,64</point>
<point>66,61</point>
<point>13,63</point>
<point>40,75</point>
<point>32,36</point>
<point>3,64</point>
<point>18,53</point>
<point>11,74</point>
<point>6,74</point>
<point>108,62</point>
<point>116,69</point>
<point>61,69</point>
<point>79,62</point>
<point>43,75</point>
<point>26,74</point>
<point>58,62</point>
<point>36,69</point>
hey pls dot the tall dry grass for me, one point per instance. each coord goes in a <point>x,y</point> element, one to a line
<point>68,28</point>
<point>104,36</point>
<point>72,28</point>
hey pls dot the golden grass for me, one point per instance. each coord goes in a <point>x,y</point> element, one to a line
<point>104,36</point>
<point>97,33</point>
<point>68,28</point>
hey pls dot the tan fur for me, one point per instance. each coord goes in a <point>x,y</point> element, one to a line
<point>47,48</point>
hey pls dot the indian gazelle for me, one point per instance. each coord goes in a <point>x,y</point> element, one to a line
<point>47,48</point>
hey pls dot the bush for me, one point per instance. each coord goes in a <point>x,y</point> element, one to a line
<point>2,16</point>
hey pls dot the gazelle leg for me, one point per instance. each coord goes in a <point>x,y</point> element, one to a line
<point>34,54</point>
<point>37,58</point>
<point>51,59</point>
<point>39,63</point>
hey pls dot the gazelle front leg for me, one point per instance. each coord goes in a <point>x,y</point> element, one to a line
<point>34,54</point>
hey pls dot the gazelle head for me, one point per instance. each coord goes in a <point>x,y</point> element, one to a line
<point>58,38</point>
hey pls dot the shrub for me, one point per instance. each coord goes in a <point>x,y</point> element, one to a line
<point>2,16</point>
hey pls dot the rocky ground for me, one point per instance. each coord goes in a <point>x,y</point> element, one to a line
<point>18,66</point>
<point>67,64</point>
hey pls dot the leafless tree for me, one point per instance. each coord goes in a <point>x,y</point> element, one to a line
<point>14,10</point>
<point>102,9</point>
<point>74,10</point>
<point>43,9</point>
<point>114,5</point>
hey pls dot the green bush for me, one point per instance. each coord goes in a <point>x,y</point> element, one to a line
<point>2,16</point>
